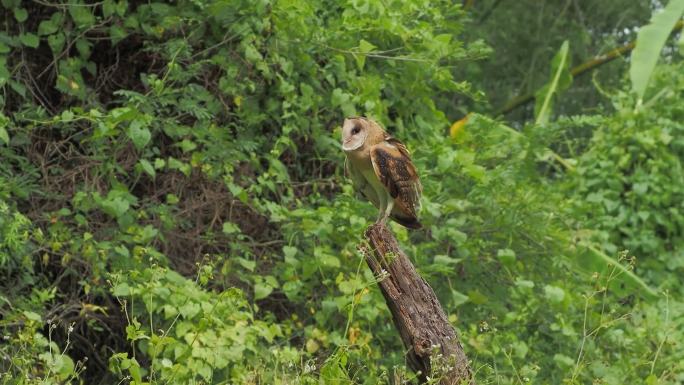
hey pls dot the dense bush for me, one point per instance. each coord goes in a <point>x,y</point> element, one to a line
<point>173,207</point>
<point>632,177</point>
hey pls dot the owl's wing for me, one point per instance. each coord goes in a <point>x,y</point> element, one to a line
<point>392,165</point>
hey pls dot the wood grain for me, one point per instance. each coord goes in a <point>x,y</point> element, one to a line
<point>433,347</point>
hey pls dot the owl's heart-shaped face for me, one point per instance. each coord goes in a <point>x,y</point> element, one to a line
<point>354,133</point>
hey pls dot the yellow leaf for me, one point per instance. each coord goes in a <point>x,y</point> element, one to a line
<point>238,101</point>
<point>457,128</point>
<point>92,308</point>
<point>354,334</point>
<point>312,346</point>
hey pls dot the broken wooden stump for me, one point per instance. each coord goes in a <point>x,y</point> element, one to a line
<point>434,349</point>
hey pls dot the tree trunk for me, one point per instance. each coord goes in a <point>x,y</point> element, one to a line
<point>433,347</point>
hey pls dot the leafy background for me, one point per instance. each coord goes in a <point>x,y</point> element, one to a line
<point>173,207</point>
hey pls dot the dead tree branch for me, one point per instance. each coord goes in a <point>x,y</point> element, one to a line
<point>434,349</point>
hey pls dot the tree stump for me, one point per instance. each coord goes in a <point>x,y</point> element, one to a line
<point>434,349</point>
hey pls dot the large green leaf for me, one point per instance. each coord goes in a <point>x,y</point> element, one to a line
<point>650,42</point>
<point>560,81</point>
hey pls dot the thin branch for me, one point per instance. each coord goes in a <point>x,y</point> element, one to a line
<point>377,54</point>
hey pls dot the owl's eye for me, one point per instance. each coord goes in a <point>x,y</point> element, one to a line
<point>355,130</point>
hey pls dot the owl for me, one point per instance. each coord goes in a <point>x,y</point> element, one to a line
<point>381,170</point>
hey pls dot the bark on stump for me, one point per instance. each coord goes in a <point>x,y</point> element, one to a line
<point>433,346</point>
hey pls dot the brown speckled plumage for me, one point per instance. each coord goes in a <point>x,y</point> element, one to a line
<point>377,162</point>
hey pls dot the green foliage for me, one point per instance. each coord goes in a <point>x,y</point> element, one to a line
<point>29,353</point>
<point>631,179</point>
<point>194,335</point>
<point>145,143</point>
<point>649,43</point>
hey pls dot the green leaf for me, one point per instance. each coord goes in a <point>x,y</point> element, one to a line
<point>205,371</point>
<point>83,47</point>
<point>108,8</point>
<point>364,48</point>
<point>560,81</point>
<point>189,309</point>
<point>187,145</point>
<point>64,366</point>
<point>33,316</point>
<point>139,134</point>
<point>29,40</point>
<point>554,293</point>
<point>81,15</point>
<point>48,27</point>
<point>20,14</point>
<point>290,253</point>
<point>146,234</point>
<point>524,283</point>
<point>147,167</point>
<point>262,290</point>
<point>326,259</point>
<point>246,263</point>
<point>117,34</point>
<point>230,228</point>
<point>563,361</point>
<point>459,298</point>
<point>122,251</point>
<point>4,122</point>
<point>56,42</point>
<point>477,298</point>
<point>172,199</point>
<point>649,43</point>
<point>135,371</point>
<point>18,87</point>
<point>344,101</point>
<point>446,260</point>
<point>159,163</point>
<point>4,77</point>
<point>175,164</point>
<point>506,256</point>
<point>115,207</point>
<point>4,136</point>
<point>252,54</point>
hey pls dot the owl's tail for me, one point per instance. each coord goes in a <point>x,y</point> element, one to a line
<point>410,222</point>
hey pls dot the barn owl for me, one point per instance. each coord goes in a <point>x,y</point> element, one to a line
<point>381,170</point>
